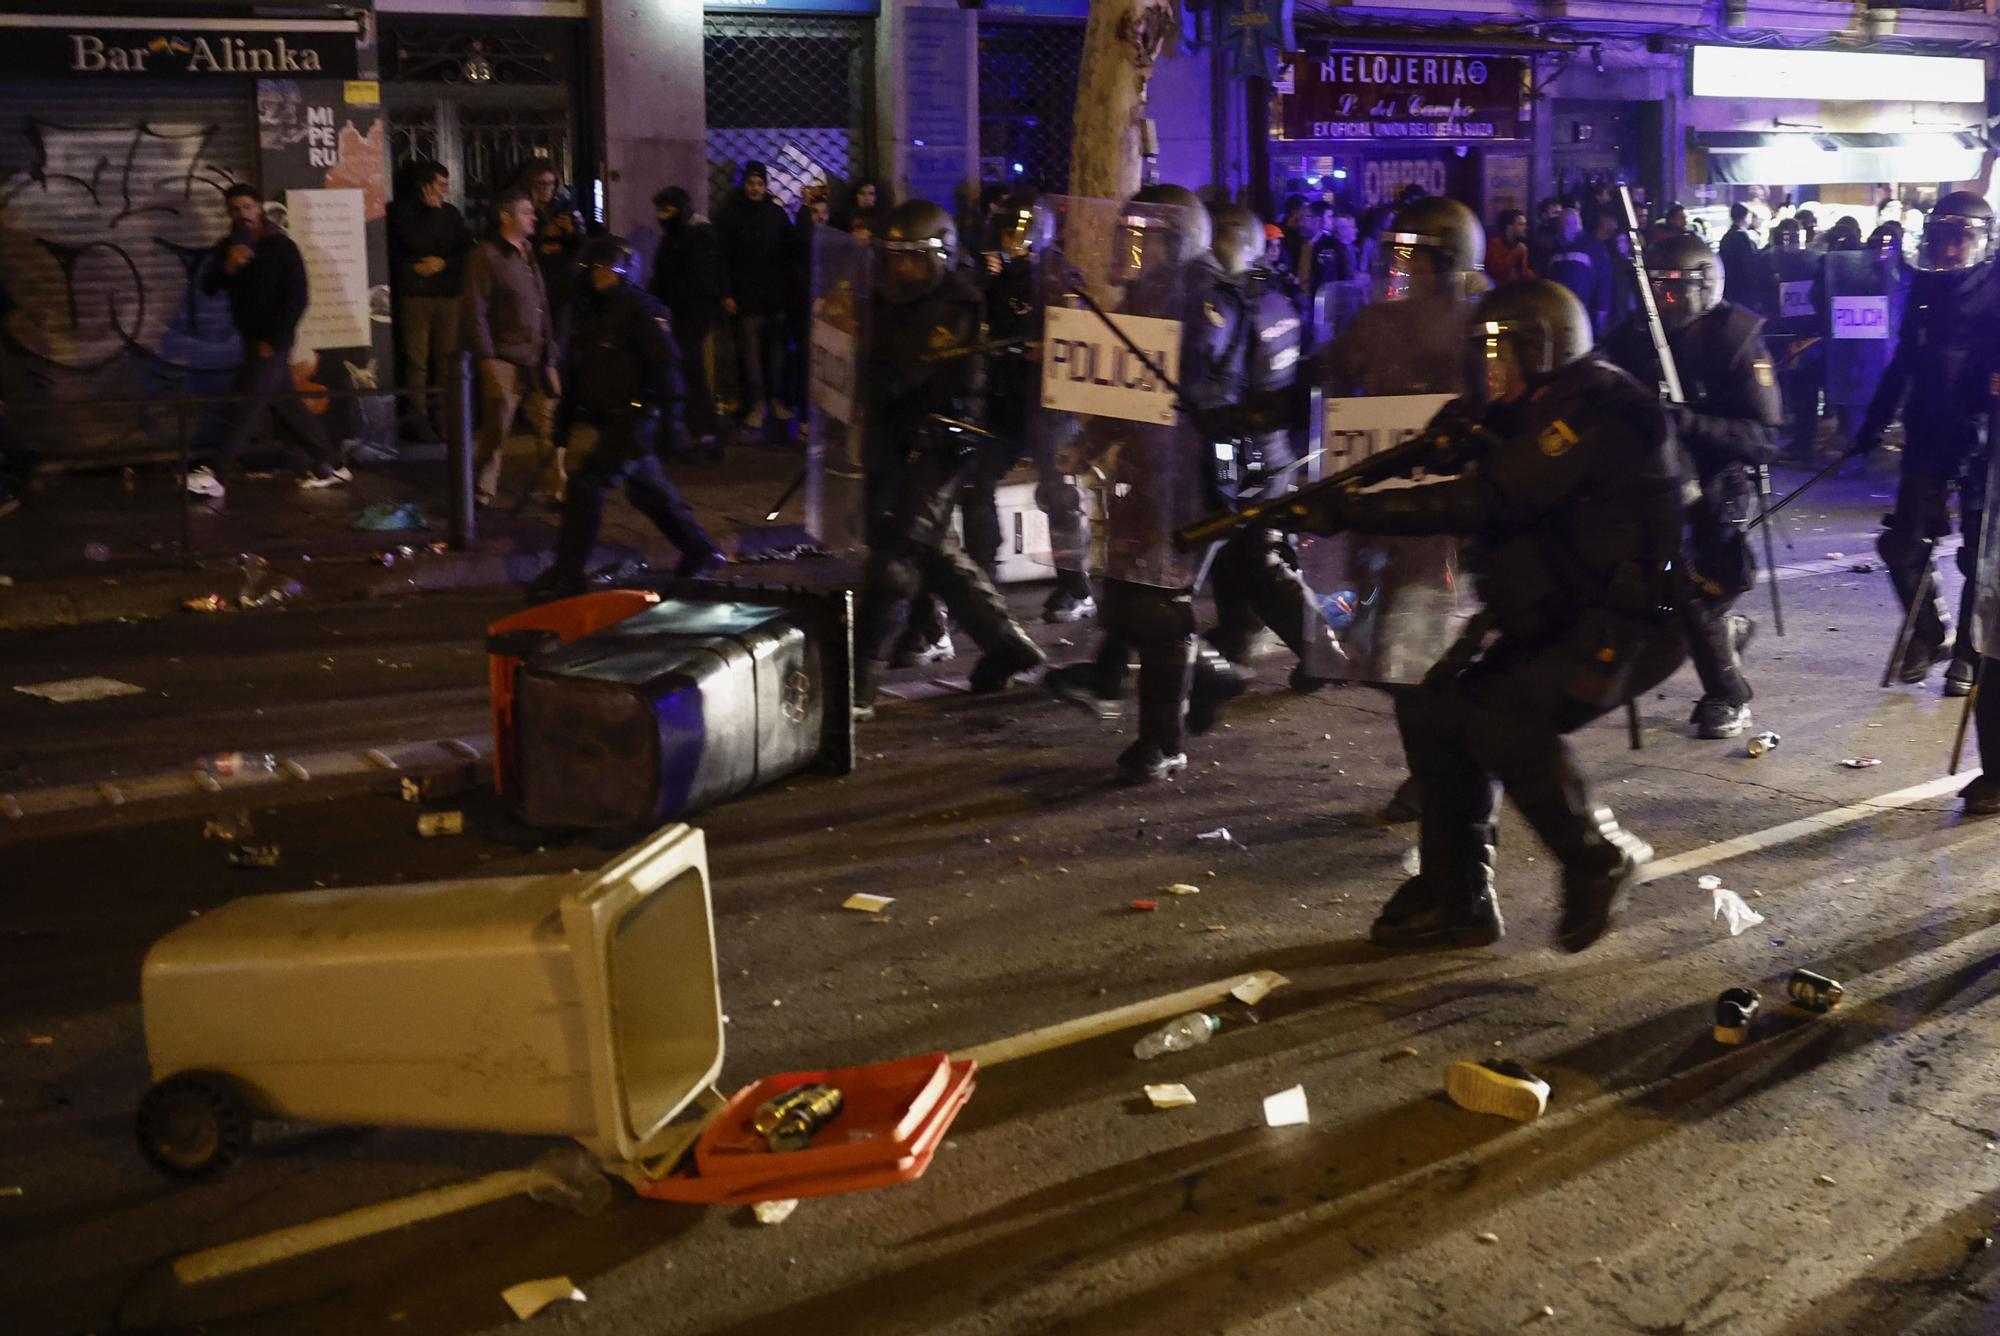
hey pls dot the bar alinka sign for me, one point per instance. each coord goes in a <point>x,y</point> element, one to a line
<point>1403,95</point>
<point>167,48</point>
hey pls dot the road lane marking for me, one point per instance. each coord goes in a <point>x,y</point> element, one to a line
<point>1757,841</point>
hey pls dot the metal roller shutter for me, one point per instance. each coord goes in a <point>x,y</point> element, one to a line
<point>791,93</point>
<point>1028,74</point>
<point>107,199</point>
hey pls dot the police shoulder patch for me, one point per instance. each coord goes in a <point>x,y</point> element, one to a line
<point>1766,377</point>
<point>1556,439</point>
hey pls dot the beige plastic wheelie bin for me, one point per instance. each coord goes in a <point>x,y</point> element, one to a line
<point>581,1005</point>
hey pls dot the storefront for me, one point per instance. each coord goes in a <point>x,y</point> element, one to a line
<point>123,134</point>
<point>1366,125</point>
<point>1837,128</point>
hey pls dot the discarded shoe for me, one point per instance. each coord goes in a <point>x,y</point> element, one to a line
<point>1502,1088</point>
<point>1734,1011</point>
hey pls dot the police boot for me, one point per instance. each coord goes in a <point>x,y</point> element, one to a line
<point>1982,796</point>
<point>555,582</point>
<point>1217,681</point>
<point>1600,867</point>
<point>998,665</point>
<point>1457,908</point>
<point>1909,561</point>
<point>1144,762</point>
<point>1964,668</point>
<point>1406,803</point>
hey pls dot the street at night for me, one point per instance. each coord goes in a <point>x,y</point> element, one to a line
<point>1831,1174</point>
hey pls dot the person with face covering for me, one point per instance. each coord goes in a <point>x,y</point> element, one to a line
<point>687,280</point>
<point>752,231</point>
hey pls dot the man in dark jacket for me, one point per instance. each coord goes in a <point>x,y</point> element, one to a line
<point>265,277</point>
<point>428,243</point>
<point>1744,264</point>
<point>1727,427</point>
<point>506,326</point>
<point>687,278</point>
<point>752,233</point>
<point>558,237</point>
<point>627,383</point>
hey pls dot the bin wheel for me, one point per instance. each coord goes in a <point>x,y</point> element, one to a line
<point>193,1125</point>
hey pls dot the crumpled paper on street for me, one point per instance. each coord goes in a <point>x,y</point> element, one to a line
<point>1730,907</point>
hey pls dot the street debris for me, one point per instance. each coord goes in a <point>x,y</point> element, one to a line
<point>1144,906</point>
<point>1498,1086</point>
<point>432,824</point>
<point>437,785</point>
<point>237,763</point>
<point>868,904</point>
<point>229,827</point>
<point>1825,1180</point>
<point>788,1121</point>
<point>1729,906</point>
<point>1863,568</point>
<point>1814,993</point>
<point>775,1212</point>
<point>1182,888</point>
<point>389,515</point>
<point>1406,1051</point>
<point>13,1191</point>
<point>1860,762</point>
<point>532,1296</point>
<point>1219,833</point>
<point>1257,987</point>
<point>253,855</point>
<point>1178,1035</point>
<point>1546,1310</point>
<point>1762,743</point>
<point>96,552</point>
<point>70,690</point>
<point>207,603</point>
<point>1413,861</point>
<point>1170,1096</point>
<point>41,1039</point>
<point>1287,1108</point>
<point>1735,1009</point>
<point>1489,1238</point>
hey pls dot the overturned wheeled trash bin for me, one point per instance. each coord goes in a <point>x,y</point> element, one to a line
<point>582,1005</point>
<point>713,692</point>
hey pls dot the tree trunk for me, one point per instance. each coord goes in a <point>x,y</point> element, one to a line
<point>1120,46</point>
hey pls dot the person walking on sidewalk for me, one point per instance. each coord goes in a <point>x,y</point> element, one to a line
<point>506,327</point>
<point>264,275</point>
<point>429,241</point>
<point>628,385</point>
<point>752,231</point>
<point>687,278</point>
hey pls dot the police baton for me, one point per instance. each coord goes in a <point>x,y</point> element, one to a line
<point>1770,546</point>
<point>1770,512</point>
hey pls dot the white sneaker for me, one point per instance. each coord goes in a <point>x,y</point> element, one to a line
<point>312,482</point>
<point>201,481</point>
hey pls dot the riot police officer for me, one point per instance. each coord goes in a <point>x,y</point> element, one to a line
<point>1576,500</point>
<point>1726,428</point>
<point>1255,574</point>
<point>927,314</point>
<point>625,379</point>
<point>1937,379</point>
<point>1797,334</point>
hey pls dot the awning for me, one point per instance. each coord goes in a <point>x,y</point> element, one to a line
<point>1794,157</point>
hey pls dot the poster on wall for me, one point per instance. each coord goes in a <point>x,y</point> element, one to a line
<point>325,142</point>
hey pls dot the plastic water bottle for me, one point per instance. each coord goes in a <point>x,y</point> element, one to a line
<point>1191,1030</point>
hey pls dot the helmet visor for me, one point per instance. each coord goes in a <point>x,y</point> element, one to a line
<point>911,270</point>
<point>1410,264</point>
<point>1140,242</point>
<point>1681,294</point>
<point>1953,243</point>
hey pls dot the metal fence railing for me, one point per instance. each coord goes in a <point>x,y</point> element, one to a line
<point>453,397</point>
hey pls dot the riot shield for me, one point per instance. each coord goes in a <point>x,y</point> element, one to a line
<point>843,286</point>
<point>1395,603</point>
<point>1865,295</point>
<point>1335,304</point>
<point>1985,628</point>
<point>1113,291</point>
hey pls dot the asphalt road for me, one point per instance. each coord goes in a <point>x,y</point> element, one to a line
<point>1833,1175</point>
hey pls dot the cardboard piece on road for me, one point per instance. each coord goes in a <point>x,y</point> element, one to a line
<point>73,689</point>
<point>1171,1096</point>
<point>1287,1108</point>
<point>532,1296</point>
<point>1257,987</point>
<point>1102,1023</point>
<point>868,904</point>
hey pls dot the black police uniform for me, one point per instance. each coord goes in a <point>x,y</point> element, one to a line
<point>625,379</point>
<point>1726,428</point>
<point>1937,379</point>
<point>1255,576</point>
<point>1798,339</point>
<point>1577,509</point>
<point>912,478</point>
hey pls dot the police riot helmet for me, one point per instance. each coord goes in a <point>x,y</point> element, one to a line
<point>1021,226</point>
<point>919,245</point>
<point>1176,234</point>
<point>1533,328</point>
<point>1958,235</point>
<point>1787,235</point>
<point>614,254</point>
<point>1239,237</point>
<point>1430,243</point>
<point>1686,277</point>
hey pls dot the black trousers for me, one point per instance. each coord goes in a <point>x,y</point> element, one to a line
<point>270,380</point>
<point>624,453</point>
<point>1502,725</point>
<point>1986,717</point>
<point>1256,583</point>
<point>1707,624</point>
<point>1909,537</point>
<point>899,568</point>
<point>1158,625</point>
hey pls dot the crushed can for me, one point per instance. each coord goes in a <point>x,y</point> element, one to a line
<point>788,1121</point>
<point>1734,1011</point>
<point>433,824</point>
<point>1814,992</point>
<point>1762,743</point>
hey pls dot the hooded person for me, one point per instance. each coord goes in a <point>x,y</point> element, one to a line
<point>752,230</point>
<point>687,280</point>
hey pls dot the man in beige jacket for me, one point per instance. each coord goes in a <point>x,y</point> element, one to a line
<point>507,329</point>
